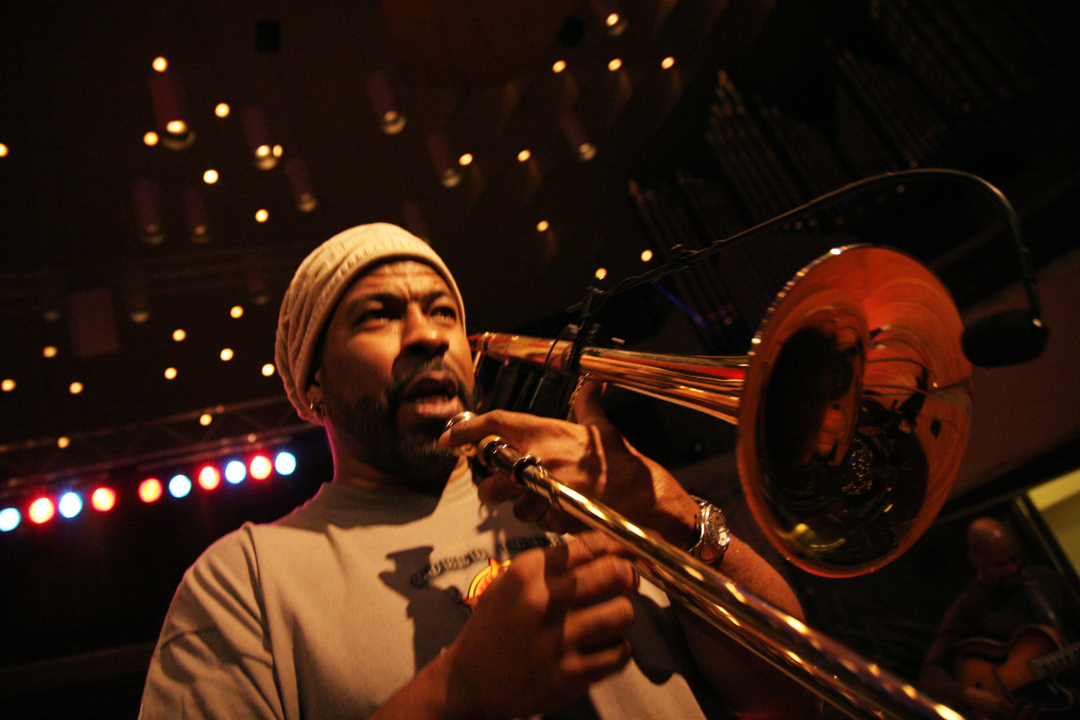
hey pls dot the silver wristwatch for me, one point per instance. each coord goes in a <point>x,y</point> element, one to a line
<point>712,534</point>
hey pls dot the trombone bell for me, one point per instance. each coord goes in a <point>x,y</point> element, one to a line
<point>853,405</point>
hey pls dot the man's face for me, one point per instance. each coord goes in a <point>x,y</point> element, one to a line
<point>396,366</point>
<point>999,563</point>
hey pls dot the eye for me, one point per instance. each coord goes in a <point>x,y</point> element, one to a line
<point>445,312</point>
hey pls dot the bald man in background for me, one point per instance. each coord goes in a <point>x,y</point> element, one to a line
<point>1003,599</point>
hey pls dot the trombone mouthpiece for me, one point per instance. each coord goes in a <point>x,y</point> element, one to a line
<point>467,450</point>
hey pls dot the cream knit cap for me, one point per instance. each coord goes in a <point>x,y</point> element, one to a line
<point>318,285</point>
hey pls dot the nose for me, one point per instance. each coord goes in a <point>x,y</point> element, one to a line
<point>424,336</point>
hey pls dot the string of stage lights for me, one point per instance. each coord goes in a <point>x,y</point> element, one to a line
<point>42,509</point>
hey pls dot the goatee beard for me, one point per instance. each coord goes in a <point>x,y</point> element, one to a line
<point>414,458</point>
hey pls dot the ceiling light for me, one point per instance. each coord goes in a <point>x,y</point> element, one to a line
<point>170,373</point>
<point>612,19</point>
<point>646,255</point>
<point>236,311</point>
<point>277,151</point>
<point>393,122</point>
<point>300,184</point>
<point>151,138</point>
<point>667,63</point>
<point>210,177</point>
<point>160,64</point>
<point>261,215</point>
<point>49,351</point>
<point>145,194</point>
<point>227,354</point>
<point>3,150</point>
<point>390,120</point>
<point>559,66</point>
<point>586,151</point>
<point>205,419</point>
<point>524,155</point>
<point>465,159</point>
<point>268,369</point>
<point>542,226</point>
<point>7,385</point>
<point>179,334</point>
<point>257,129</point>
<point>176,127</point>
<point>614,65</point>
<point>63,442</point>
<point>75,388</point>
<point>222,110</point>
<point>600,273</point>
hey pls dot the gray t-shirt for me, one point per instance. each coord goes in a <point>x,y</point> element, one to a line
<point>327,612</point>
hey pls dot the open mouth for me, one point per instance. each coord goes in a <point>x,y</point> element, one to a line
<point>435,394</point>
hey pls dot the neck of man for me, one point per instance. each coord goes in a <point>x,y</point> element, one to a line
<point>354,472</point>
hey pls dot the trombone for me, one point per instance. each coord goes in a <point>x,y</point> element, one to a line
<point>853,410</point>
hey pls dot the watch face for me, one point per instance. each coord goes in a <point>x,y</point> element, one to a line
<point>715,537</point>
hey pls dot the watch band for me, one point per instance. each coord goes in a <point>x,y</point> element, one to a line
<point>712,533</point>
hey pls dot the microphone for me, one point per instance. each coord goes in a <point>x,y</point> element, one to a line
<point>1006,338</point>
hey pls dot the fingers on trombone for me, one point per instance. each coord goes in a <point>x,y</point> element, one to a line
<point>499,487</point>
<point>513,427</point>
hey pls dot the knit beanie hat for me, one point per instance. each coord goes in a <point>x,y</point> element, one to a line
<point>318,285</point>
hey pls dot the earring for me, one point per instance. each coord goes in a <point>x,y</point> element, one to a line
<point>316,408</point>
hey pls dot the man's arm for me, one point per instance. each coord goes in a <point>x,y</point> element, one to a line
<point>593,457</point>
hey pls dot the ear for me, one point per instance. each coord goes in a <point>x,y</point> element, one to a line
<point>314,392</point>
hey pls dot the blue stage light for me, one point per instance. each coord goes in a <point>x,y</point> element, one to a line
<point>9,519</point>
<point>179,486</point>
<point>235,471</point>
<point>285,463</point>
<point>70,504</point>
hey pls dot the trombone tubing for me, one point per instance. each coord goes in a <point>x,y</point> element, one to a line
<point>827,668</point>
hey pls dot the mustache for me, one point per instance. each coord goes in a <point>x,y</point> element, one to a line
<point>403,379</point>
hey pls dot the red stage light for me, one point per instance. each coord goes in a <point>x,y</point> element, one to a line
<point>261,467</point>
<point>150,490</point>
<point>209,478</point>
<point>103,499</point>
<point>41,510</point>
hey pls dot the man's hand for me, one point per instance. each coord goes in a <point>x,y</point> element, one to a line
<point>546,629</point>
<point>590,456</point>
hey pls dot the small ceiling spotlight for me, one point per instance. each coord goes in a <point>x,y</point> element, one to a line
<point>257,129</point>
<point>150,139</point>
<point>210,176</point>
<point>197,217</point>
<point>646,255</point>
<point>300,184</point>
<point>148,211</point>
<point>614,64</point>
<point>524,156</point>
<point>465,160</point>
<point>559,66</point>
<point>441,156</point>
<point>222,110</point>
<point>75,388</point>
<point>160,64</point>
<point>168,100</point>
<point>575,135</point>
<point>261,215</point>
<point>600,273</point>
<point>542,226</point>
<point>170,373</point>
<point>391,121</point>
<point>667,63</point>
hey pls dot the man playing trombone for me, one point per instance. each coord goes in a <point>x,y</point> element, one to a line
<point>403,589</point>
